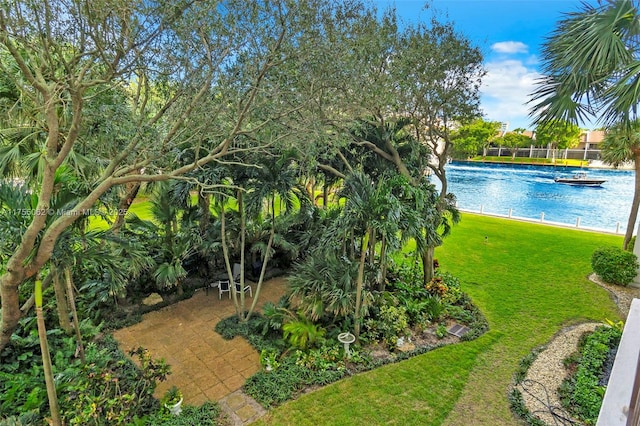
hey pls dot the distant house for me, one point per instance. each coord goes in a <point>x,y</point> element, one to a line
<point>590,139</point>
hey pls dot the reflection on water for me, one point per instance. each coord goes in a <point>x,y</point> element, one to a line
<point>530,190</point>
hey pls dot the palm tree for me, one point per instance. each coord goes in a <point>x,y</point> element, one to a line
<point>591,64</point>
<point>370,209</point>
<point>273,180</point>
<point>322,284</point>
<point>622,144</point>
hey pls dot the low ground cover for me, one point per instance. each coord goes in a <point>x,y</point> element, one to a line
<point>529,280</point>
<point>588,372</point>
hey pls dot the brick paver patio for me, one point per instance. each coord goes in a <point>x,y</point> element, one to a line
<point>204,366</point>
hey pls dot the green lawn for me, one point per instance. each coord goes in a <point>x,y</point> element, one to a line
<point>528,279</point>
<point>527,160</point>
<point>140,207</point>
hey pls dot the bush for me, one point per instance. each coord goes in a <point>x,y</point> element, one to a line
<point>390,323</point>
<point>205,415</point>
<point>614,265</point>
<point>632,243</point>
<point>251,330</point>
<point>108,389</point>
<point>582,393</point>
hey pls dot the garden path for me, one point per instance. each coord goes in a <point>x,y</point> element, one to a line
<point>204,366</point>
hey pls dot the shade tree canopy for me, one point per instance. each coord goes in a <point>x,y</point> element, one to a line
<point>559,134</point>
<point>186,75</point>
<point>476,136</point>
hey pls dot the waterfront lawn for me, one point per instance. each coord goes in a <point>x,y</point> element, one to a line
<point>530,282</point>
<point>527,160</point>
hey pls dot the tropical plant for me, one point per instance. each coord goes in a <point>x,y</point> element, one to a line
<point>269,360</point>
<point>172,396</point>
<point>622,144</point>
<point>370,210</point>
<point>219,91</point>
<point>323,283</point>
<point>302,333</point>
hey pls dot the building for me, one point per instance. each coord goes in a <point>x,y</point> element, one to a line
<point>590,139</point>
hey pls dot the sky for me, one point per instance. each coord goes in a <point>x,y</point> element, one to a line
<point>509,33</point>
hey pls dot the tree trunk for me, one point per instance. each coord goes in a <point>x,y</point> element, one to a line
<point>372,247</point>
<point>26,306</point>
<point>633,216</point>
<point>74,312</point>
<point>61,302</point>
<point>265,260</point>
<point>325,196</point>
<point>11,314</point>
<point>225,251</point>
<point>243,236</point>
<point>204,203</point>
<point>46,358</point>
<point>427,265</point>
<point>124,205</point>
<point>360,283</point>
<point>383,263</point>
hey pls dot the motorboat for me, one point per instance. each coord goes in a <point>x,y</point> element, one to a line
<point>580,179</point>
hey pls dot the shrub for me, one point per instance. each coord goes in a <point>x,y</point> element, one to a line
<point>205,415</point>
<point>391,322</point>
<point>582,393</point>
<point>303,333</point>
<point>251,330</point>
<point>614,265</point>
<point>327,357</point>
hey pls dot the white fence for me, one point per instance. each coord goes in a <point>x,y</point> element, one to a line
<point>542,220</point>
<point>533,152</point>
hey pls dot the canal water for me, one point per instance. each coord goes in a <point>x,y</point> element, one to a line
<point>530,191</point>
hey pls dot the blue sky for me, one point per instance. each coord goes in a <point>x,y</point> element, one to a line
<point>509,33</point>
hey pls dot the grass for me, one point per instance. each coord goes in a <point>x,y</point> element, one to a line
<point>141,207</point>
<point>528,279</point>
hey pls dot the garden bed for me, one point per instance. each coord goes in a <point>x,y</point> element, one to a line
<point>299,356</point>
<point>535,395</point>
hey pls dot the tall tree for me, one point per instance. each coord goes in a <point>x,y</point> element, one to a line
<point>622,144</point>
<point>558,134</point>
<point>475,136</point>
<point>196,75</point>
<point>514,140</point>
<point>591,64</point>
<point>370,208</point>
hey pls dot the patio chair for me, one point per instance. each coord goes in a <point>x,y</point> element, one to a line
<point>246,288</point>
<point>224,287</point>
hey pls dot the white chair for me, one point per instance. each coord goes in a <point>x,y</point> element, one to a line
<point>224,287</point>
<point>246,287</point>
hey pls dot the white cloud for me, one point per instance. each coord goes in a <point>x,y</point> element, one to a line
<point>510,47</point>
<point>505,91</point>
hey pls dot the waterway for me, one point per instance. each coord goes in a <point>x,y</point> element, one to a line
<point>529,191</point>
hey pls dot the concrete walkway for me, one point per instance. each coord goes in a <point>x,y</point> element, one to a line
<point>204,366</point>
